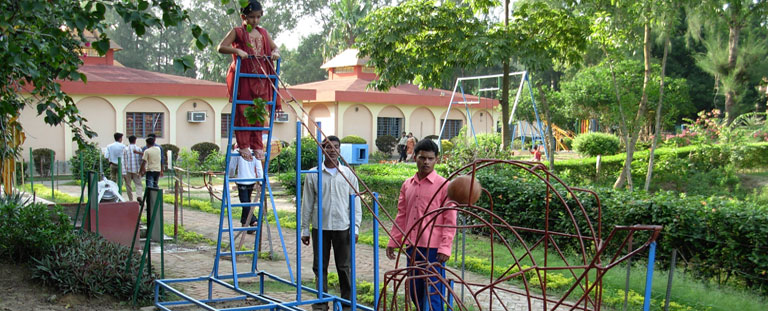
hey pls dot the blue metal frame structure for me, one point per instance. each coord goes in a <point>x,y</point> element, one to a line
<point>459,86</point>
<point>226,226</point>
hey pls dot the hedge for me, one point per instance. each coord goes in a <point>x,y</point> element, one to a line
<point>697,158</point>
<point>718,236</point>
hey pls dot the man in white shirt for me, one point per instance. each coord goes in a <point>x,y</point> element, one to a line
<point>239,167</point>
<point>114,153</point>
<point>131,166</point>
<point>335,210</point>
<point>401,147</point>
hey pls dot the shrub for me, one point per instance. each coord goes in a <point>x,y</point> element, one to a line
<point>214,162</point>
<point>286,160</point>
<point>174,153</point>
<point>568,143</point>
<point>204,149</point>
<point>386,143</point>
<point>594,144</point>
<point>42,159</point>
<point>93,266</point>
<point>30,230</point>
<point>353,139</point>
<point>446,145</point>
<point>378,156</point>
<point>188,159</point>
<point>720,235</point>
<point>91,157</point>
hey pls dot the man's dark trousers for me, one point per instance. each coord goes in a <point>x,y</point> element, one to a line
<point>340,241</point>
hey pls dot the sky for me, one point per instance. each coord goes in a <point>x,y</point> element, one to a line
<point>292,38</point>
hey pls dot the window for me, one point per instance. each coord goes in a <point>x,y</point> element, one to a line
<point>452,128</point>
<point>389,126</point>
<point>226,118</point>
<point>142,124</point>
<point>89,51</point>
<point>369,69</point>
<point>346,69</point>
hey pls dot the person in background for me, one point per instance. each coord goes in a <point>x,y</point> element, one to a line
<point>409,146</point>
<point>162,155</point>
<point>401,147</point>
<point>239,167</point>
<point>114,154</point>
<point>150,163</point>
<point>131,167</point>
<point>336,222</point>
<point>536,152</point>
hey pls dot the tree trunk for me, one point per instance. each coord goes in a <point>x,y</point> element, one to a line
<point>657,131</point>
<point>626,173</point>
<point>506,140</point>
<point>550,137</point>
<point>733,48</point>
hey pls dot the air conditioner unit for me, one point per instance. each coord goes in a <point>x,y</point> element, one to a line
<point>196,116</point>
<point>281,117</point>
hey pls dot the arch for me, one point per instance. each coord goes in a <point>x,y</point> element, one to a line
<point>391,112</point>
<point>422,123</point>
<point>190,133</point>
<point>482,120</point>
<point>147,105</point>
<point>358,120</point>
<point>320,113</point>
<point>101,116</point>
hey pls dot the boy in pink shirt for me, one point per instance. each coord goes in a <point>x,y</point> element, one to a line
<point>427,241</point>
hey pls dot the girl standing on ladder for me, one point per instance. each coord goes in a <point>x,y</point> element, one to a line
<point>252,44</point>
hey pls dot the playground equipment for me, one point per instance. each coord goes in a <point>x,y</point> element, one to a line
<point>572,222</point>
<point>536,132</point>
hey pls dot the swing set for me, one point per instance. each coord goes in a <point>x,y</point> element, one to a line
<point>521,129</point>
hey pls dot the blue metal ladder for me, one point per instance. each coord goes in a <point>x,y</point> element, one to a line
<point>227,228</point>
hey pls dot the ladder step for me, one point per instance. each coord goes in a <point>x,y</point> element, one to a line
<point>249,128</point>
<point>250,102</point>
<point>256,75</point>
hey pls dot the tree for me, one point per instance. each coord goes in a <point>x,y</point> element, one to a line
<point>422,42</point>
<point>303,64</point>
<point>708,18</point>
<point>40,44</point>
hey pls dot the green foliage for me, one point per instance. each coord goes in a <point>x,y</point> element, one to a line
<point>594,144</point>
<point>256,114</point>
<point>214,162</point>
<point>42,158</point>
<point>465,150</point>
<point>568,143</point>
<point>30,230</point>
<point>720,235</point>
<point>46,50</point>
<point>174,152</point>
<point>286,160</point>
<point>188,160</point>
<point>91,157</point>
<point>44,192</point>
<point>93,266</point>
<point>446,145</point>
<point>353,139</point>
<point>386,143</point>
<point>204,149</point>
<point>378,156</point>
